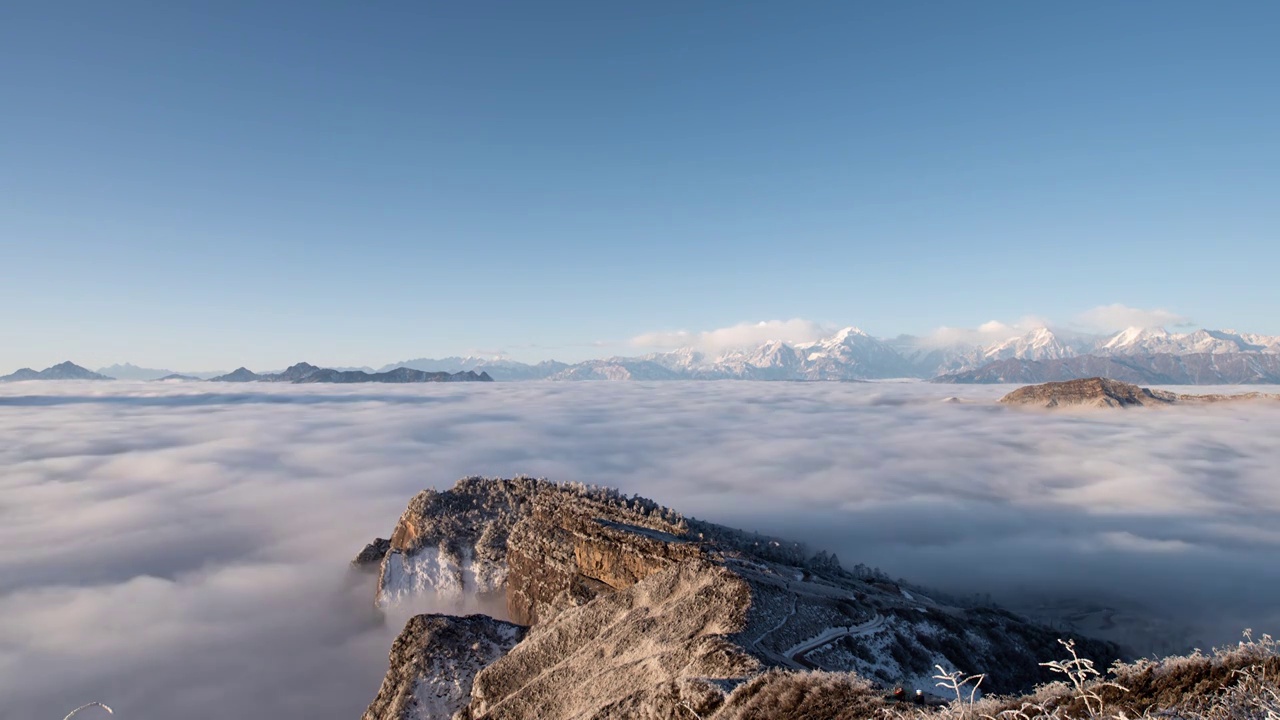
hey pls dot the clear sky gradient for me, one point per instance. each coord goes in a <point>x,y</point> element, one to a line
<point>206,185</point>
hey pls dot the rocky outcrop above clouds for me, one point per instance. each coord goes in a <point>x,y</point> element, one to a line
<point>371,556</point>
<point>635,611</point>
<point>1104,392</point>
<point>1090,392</point>
<point>433,663</point>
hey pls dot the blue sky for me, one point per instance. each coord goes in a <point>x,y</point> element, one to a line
<point>205,185</point>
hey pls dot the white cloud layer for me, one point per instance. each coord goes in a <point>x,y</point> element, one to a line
<point>181,551</point>
<point>1101,319</point>
<point>736,336</point>
<point>1116,317</point>
<point>987,333</point>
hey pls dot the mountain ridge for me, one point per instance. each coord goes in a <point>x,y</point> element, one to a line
<point>851,354</point>
<point>1147,355</point>
<point>65,370</point>
<point>306,373</point>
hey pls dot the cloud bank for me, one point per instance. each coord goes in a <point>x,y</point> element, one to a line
<point>987,333</point>
<point>736,336</point>
<point>181,551</point>
<point>1101,319</point>
<point>1116,317</point>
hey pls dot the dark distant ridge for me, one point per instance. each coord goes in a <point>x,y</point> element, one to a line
<point>239,375</point>
<point>399,375</point>
<point>62,371</point>
<point>308,373</point>
<point>176,376</point>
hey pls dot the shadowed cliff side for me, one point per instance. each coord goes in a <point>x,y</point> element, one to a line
<point>433,662</point>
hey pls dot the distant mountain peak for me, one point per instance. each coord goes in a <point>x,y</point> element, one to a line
<point>240,374</point>
<point>847,333</point>
<point>848,354</point>
<point>65,370</point>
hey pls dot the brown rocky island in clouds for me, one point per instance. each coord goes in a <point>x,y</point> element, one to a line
<point>626,609</point>
<point>1104,392</point>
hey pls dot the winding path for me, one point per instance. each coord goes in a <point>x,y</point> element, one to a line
<point>796,654</point>
<point>776,657</point>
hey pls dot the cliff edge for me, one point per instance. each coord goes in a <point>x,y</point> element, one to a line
<point>635,611</point>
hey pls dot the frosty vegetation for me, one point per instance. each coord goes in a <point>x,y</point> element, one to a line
<point>1240,682</point>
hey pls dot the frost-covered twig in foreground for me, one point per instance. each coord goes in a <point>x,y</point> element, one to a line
<point>955,681</point>
<point>1081,673</point>
<point>89,705</point>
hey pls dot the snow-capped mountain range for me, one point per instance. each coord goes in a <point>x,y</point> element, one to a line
<point>1152,355</point>
<point>852,354</point>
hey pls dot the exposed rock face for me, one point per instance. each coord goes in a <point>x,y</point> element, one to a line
<point>565,553</point>
<point>433,663</point>
<point>636,611</point>
<point>1104,392</point>
<point>1091,392</point>
<point>372,554</point>
<point>456,541</point>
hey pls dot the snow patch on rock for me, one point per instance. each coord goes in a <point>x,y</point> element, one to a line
<point>433,569</point>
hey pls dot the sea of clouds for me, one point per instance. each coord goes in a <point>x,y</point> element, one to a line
<point>181,550</point>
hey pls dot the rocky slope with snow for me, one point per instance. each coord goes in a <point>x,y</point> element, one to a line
<point>434,662</point>
<point>633,611</point>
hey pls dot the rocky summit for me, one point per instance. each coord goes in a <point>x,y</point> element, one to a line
<point>1105,392</point>
<point>1090,392</point>
<point>623,608</point>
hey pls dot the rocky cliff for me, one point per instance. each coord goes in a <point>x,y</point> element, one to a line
<point>635,611</point>
<point>434,661</point>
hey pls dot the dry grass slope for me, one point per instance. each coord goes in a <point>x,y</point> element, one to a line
<point>634,653</point>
